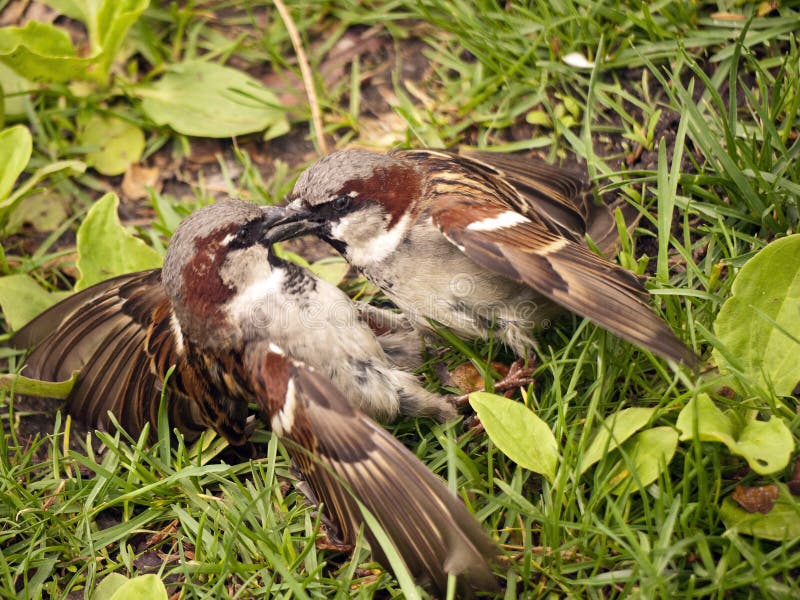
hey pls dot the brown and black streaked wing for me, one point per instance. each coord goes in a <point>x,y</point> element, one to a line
<point>561,198</point>
<point>342,454</point>
<point>562,270</point>
<point>103,333</point>
<point>556,197</point>
<point>546,194</point>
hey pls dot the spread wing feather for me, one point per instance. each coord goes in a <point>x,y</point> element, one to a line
<point>105,332</point>
<point>564,271</point>
<point>430,527</point>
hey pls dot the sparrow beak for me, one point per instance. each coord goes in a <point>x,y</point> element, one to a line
<point>284,223</point>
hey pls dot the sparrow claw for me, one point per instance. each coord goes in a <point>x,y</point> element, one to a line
<point>460,401</point>
<point>518,376</point>
<point>329,539</point>
<point>473,425</point>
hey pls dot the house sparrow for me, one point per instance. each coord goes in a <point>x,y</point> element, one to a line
<point>485,244</point>
<point>238,324</point>
<point>219,286</point>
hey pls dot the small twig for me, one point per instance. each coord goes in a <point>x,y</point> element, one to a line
<point>305,70</point>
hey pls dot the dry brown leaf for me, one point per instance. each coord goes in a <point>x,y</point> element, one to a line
<point>138,179</point>
<point>756,499</point>
<point>468,379</point>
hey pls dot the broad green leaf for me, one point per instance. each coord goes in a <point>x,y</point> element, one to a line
<point>110,584</point>
<point>210,100</point>
<point>7,205</point>
<point>119,144</point>
<point>648,455</point>
<point>43,211</point>
<point>106,248</point>
<point>332,269</point>
<point>42,52</point>
<point>759,325</point>
<point>518,432</point>
<point>765,445</point>
<point>12,84</point>
<point>74,9</point>
<point>144,586</point>
<point>702,419</point>
<point>780,524</point>
<point>22,299</point>
<point>613,431</point>
<point>41,389</point>
<point>111,23</point>
<point>16,146</point>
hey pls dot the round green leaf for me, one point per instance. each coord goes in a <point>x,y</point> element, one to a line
<point>210,100</point>
<point>16,146</point>
<point>518,432</point>
<point>110,584</point>
<point>106,248</point>
<point>118,143</point>
<point>765,445</point>
<point>143,586</point>
<point>759,325</point>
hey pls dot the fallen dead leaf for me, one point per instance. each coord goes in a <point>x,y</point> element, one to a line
<point>138,179</point>
<point>468,379</point>
<point>757,498</point>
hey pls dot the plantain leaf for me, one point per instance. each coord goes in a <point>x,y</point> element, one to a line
<point>41,389</point>
<point>110,584</point>
<point>106,248</point>
<point>613,432</point>
<point>647,456</point>
<point>22,299</point>
<point>759,325</point>
<point>44,52</point>
<point>518,432</point>
<point>210,100</point>
<point>143,586</point>
<point>16,146</point>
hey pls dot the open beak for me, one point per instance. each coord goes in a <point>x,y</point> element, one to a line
<point>284,223</point>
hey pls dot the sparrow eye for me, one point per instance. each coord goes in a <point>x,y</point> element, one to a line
<point>341,202</point>
<point>240,239</point>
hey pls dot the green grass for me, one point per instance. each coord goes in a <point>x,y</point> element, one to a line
<point>689,113</point>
